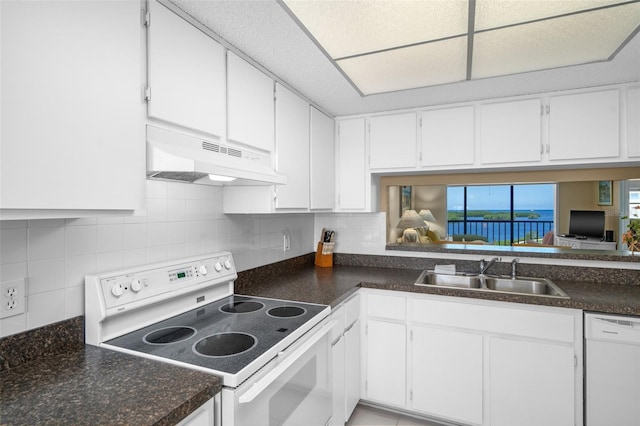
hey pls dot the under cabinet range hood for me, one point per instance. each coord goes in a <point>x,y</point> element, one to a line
<point>178,157</point>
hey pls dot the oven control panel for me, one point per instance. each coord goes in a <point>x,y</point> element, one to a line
<point>138,285</point>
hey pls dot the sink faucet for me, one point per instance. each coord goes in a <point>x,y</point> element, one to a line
<point>484,266</point>
<point>514,267</point>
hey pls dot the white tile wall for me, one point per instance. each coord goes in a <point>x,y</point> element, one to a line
<point>182,220</point>
<point>357,233</point>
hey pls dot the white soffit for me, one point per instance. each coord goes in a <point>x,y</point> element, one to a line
<point>383,46</point>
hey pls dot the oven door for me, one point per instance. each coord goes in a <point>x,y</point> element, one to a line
<point>292,390</point>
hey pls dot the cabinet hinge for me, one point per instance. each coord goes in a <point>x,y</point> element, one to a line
<point>366,330</point>
<point>411,396</point>
<point>575,360</point>
<point>147,93</point>
<point>541,149</point>
<point>541,109</point>
<point>548,109</point>
<point>146,18</point>
<point>411,336</point>
<point>369,127</point>
<point>366,386</point>
<point>420,121</point>
<point>420,156</point>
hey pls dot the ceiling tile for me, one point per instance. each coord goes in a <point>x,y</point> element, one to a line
<point>346,28</point>
<point>498,13</point>
<point>572,40</point>
<point>417,66</point>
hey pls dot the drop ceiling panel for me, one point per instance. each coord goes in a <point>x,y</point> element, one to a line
<point>417,66</point>
<point>554,43</point>
<point>498,13</point>
<point>346,28</point>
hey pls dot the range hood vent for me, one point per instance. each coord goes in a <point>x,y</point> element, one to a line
<point>179,157</point>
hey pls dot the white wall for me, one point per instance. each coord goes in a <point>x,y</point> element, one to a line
<point>182,220</point>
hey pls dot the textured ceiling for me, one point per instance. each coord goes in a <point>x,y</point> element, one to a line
<point>266,33</point>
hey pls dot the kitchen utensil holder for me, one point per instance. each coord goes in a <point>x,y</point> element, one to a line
<point>324,255</point>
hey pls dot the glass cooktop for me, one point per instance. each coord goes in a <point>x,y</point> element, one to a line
<point>225,335</point>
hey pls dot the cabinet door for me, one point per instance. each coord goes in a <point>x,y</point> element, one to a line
<point>633,122</point>
<point>186,73</point>
<point>447,374</point>
<point>352,368</point>
<point>393,141</point>
<point>351,173</point>
<point>585,125</point>
<point>322,162</point>
<point>510,132</point>
<point>447,136</point>
<point>292,149</point>
<point>71,106</point>
<point>385,379</point>
<point>250,106</point>
<point>338,394</point>
<point>531,383</point>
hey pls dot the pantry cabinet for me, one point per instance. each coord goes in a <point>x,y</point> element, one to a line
<point>392,140</point>
<point>72,109</point>
<point>292,149</point>
<point>510,132</point>
<point>447,137</point>
<point>352,184</point>
<point>186,74</point>
<point>471,361</point>
<point>250,104</point>
<point>584,125</point>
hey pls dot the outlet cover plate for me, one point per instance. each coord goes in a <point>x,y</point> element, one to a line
<point>13,298</point>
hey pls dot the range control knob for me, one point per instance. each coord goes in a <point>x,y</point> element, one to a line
<point>227,264</point>
<point>203,269</point>
<point>218,266</point>
<point>117,290</point>
<point>136,285</point>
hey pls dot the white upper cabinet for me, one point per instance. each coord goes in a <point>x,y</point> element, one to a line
<point>447,137</point>
<point>584,125</point>
<point>510,132</point>
<point>292,149</point>
<point>351,170</point>
<point>186,71</point>
<point>72,108</point>
<point>250,105</point>
<point>633,122</point>
<point>322,166</point>
<point>392,141</point>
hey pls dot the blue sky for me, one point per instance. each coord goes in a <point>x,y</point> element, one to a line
<point>496,197</point>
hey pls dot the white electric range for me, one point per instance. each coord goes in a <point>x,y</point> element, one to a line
<point>272,355</point>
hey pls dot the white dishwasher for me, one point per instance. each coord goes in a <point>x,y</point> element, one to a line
<point>612,370</point>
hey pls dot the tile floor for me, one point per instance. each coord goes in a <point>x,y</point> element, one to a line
<point>368,416</point>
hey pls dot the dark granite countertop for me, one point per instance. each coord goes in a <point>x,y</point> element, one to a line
<point>94,386</point>
<point>333,285</point>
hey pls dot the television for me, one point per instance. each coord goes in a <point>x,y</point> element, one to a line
<point>586,223</point>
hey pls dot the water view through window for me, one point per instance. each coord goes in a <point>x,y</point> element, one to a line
<point>501,214</point>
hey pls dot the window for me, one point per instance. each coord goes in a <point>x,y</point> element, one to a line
<point>501,214</point>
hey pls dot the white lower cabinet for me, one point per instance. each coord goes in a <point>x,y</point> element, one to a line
<point>446,373</point>
<point>203,416</point>
<point>471,361</point>
<point>531,383</point>
<point>345,353</point>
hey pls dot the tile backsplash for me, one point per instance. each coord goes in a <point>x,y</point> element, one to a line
<point>181,220</point>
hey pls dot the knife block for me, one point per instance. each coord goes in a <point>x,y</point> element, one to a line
<point>324,255</point>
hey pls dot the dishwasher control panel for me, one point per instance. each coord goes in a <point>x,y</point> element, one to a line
<point>613,328</point>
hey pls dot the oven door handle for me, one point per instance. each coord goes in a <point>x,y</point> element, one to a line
<point>257,388</point>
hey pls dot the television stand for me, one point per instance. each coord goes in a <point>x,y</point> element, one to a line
<point>588,243</point>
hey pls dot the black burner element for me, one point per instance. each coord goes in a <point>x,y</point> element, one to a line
<point>241,307</point>
<point>286,311</point>
<point>225,344</point>
<point>168,335</point>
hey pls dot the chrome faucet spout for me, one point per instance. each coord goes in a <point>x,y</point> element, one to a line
<point>514,268</point>
<point>485,266</point>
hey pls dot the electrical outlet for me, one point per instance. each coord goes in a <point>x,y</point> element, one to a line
<point>13,298</point>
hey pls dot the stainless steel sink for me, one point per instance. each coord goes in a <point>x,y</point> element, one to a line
<point>443,280</point>
<point>489,283</point>
<point>523,285</point>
